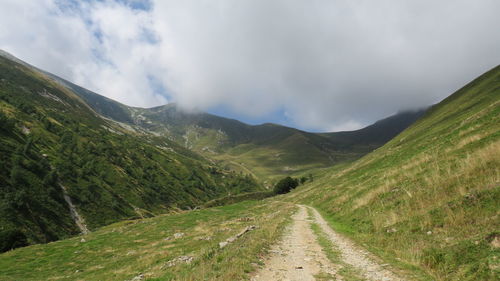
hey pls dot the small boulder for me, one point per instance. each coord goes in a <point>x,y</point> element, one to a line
<point>392,230</point>
<point>177,260</point>
<point>206,238</point>
<point>186,259</point>
<point>139,277</point>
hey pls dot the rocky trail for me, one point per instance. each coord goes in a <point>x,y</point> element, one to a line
<point>300,257</point>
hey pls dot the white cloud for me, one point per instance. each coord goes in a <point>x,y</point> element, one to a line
<point>328,64</point>
<point>103,46</point>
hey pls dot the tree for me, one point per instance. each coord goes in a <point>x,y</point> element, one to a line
<point>303,180</point>
<point>285,185</point>
<point>11,239</point>
<point>50,179</point>
<point>15,176</point>
<point>6,124</point>
<point>27,146</point>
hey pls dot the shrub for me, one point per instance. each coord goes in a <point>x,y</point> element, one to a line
<point>11,239</point>
<point>285,185</point>
<point>303,180</point>
<point>6,124</point>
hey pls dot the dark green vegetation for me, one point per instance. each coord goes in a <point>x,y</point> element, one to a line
<point>49,138</point>
<point>285,185</point>
<point>429,199</point>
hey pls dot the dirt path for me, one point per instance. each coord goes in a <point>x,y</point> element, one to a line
<point>299,256</point>
<point>354,255</point>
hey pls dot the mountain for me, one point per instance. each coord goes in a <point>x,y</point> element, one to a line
<point>266,151</point>
<point>378,133</point>
<point>66,169</point>
<point>76,160</point>
<point>430,197</point>
<point>424,205</point>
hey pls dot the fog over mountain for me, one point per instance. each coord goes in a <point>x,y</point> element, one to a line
<point>318,65</point>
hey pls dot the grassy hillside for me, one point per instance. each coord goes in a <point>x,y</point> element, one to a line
<point>49,137</point>
<point>158,248</point>
<point>430,197</point>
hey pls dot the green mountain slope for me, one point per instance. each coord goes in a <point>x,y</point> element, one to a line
<point>429,197</point>
<point>267,151</point>
<point>263,150</point>
<point>50,138</point>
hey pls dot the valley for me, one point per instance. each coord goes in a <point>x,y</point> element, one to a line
<point>267,151</point>
<point>93,189</point>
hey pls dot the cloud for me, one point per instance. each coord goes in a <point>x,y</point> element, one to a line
<point>105,46</point>
<point>327,64</point>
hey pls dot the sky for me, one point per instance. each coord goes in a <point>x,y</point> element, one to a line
<point>318,65</point>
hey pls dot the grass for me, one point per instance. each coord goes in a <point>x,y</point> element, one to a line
<point>123,250</point>
<point>232,199</point>
<point>268,163</point>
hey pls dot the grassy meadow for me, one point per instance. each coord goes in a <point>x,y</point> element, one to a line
<point>127,249</point>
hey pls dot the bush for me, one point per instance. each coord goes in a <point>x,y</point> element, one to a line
<point>285,185</point>
<point>11,239</point>
<point>6,124</point>
<point>303,180</point>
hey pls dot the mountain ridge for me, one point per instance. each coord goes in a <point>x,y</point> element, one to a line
<point>267,151</point>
